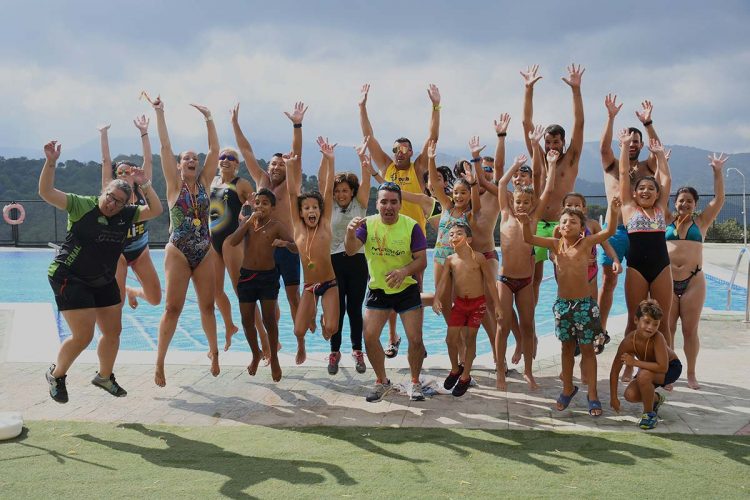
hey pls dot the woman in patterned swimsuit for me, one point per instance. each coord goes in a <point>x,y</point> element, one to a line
<point>189,241</point>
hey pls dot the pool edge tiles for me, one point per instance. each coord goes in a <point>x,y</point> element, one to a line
<point>31,335</point>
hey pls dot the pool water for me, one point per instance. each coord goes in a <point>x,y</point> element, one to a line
<point>23,278</point>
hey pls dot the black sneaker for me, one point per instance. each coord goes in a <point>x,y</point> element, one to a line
<point>110,385</point>
<point>57,388</point>
<point>452,378</point>
<point>461,387</point>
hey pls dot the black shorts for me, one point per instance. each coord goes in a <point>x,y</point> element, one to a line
<point>132,255</point>
<point>72,293</point>
<point>258,285</point>
<point>288,265</point>
<point>400,302</point>
<point>673,373</point>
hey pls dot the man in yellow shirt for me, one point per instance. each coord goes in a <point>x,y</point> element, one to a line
<point>399,168</point>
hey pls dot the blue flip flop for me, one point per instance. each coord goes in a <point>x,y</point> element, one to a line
<point>594,404</point>
<point>565,400</point>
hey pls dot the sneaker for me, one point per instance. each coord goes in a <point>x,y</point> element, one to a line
<point>379,392</point>
<point>452,378</point>
<point>359,361</point>
<point>660,400</point>
<point>110,385</point>
<point>57,388</point>
<point>416,392</point>
<point>461,387</point>
<point>333,363</point>
<point>648,420</point>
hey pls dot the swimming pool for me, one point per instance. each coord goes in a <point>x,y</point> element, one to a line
<point>23,278</point>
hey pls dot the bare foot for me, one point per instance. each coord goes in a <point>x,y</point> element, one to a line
<point>228,339</point>
<point>132,299</point>
<point>267,356</point>
<point>669,387</point>
<point>516,355</point>
<point>529,378</point>
<point>301,355</point>
<point>500,383</point>
<point>252,368</point>
<point>275,369</point>
<point>693,382</point>
<point>159,378</point>
<point>214,357</point>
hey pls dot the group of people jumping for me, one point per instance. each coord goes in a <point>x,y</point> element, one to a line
<point>345,259</point>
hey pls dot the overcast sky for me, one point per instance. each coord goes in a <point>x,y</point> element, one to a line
<point>67,66</point>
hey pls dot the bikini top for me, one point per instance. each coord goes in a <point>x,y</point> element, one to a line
<point>693,233</point>
<point>642,223</point>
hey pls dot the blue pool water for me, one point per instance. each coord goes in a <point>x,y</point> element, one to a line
<point>23,278</point>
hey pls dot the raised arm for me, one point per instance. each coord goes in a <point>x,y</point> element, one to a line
<point>473,178</point>
<point>168,162</point>
<point>141,123</point>
<point>153,206</point>
<point>626,138</point>
<point>363,194</point>
<point>645,118</point>
<point>613,213</point>
<point>605,145</point>
<point>326,172</point>
<point>549,184</point>
<point>440,195</point>
<point>106,156</point>
<point>663,176</point>
<point>714,206</point>
<point>501,129</point>
<point>296,117</point>
<point>538,169</point>
<point>530,237</point>
<point>293,182</point>
<point>260,177</point>
<point>420,163</point>
<point>530,77</point>
<point>47,190</point>
<point>576,140</point>
<point>381,159</point>
<point>502,184</point>
<point>212,156</point>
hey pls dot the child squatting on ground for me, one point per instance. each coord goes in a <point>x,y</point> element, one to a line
<point>466,276</point>
<point>658,365</point>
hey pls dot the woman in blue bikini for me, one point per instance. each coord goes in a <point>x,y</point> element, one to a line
<point>185,256</point>
<point>684,237</point>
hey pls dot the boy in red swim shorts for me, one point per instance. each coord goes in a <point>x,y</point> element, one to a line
<point>467,275</point>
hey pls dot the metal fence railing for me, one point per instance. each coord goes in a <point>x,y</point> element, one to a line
<point>45,223</point>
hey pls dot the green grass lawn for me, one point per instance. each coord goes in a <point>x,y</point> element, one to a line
<point>91,460</point>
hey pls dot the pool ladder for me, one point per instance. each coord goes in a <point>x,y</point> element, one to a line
<point>743,250</point>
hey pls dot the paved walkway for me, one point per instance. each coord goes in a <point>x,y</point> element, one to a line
<point>308,396</point>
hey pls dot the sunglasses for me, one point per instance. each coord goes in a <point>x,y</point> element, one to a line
<point>389,185</point>
<point>404,149</point>
<point>488,169</point>
<point>227,157</point>
<point>113,199</point>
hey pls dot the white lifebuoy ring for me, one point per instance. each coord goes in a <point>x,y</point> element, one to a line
<point>11,425</point>
<point>21,214</point>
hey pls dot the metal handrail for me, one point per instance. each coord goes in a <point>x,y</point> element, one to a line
<point>743,250</point>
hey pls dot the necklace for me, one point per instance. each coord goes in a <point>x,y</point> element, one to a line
<point>561,250</point>
<point>194,204</point>
<point>679,222</point>
<point>256,229</point>
<point>308,246</point>
<point>645,351</point>
<point>653,223</point>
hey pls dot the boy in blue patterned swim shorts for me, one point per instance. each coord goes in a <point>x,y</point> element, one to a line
<point>576,313</point>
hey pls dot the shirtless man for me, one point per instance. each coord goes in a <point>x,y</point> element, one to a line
<point>638,169</point>
<point>567,164</point>
<point>262,233</point>
<point>287,262</point>
<point>312,235</point>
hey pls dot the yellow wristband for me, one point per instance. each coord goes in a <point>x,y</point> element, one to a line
<point>437,107</point>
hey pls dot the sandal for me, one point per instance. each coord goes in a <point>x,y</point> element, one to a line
<point>564,400</point>
<point>594,404</point>
<point>392,349</point>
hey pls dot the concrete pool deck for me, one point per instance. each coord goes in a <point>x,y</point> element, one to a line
<point>308,396</point>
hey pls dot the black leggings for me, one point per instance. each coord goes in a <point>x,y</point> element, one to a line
<point>351,275</point>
